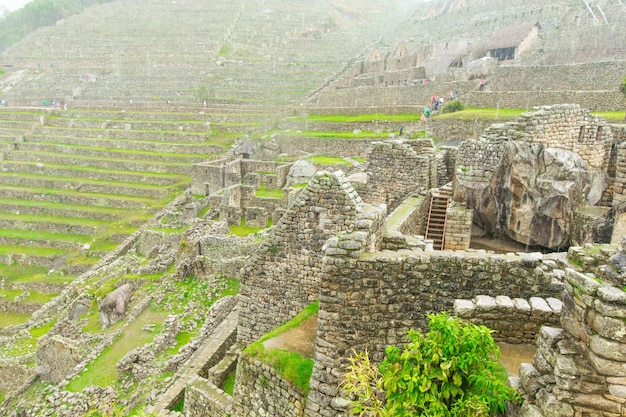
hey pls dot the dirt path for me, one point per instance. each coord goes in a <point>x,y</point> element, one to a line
<point>300,340</point>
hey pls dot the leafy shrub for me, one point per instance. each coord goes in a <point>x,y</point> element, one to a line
<point>452,371</point>
<point>452,106</point>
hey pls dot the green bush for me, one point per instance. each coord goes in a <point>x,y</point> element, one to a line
<point>452,106</point>
<point>452,371</point>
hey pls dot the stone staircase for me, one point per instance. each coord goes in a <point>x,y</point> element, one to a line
<point>437,213</point>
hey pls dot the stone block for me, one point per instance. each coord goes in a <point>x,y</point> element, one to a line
<point>582,281</point>
<point>607,367</point>
<point>618,390</point>
<point>552,407</point>
<point>540,307</point>
<point>555,304</point>
<point>608,327</point>
<point>529,376</point>
<point>590,401</point>
<point>608,349</point>
<point>464,308</point>
<point>609,309</point>
<point>505,302</point>
<point>521,305</point>
<point>485,303</point>
<point>530,410</point>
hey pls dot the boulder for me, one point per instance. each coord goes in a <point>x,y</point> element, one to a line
<point>481,67</point>
<point>532,195</point>
<point>113,307</point>
<point>301,172</point>
<point>80,307</point>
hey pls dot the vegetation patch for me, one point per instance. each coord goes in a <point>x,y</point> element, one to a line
<point>242,230</point>
<point>362,118</point>
<point>263,193</point>
<point>9,318</point>
<point>341,135</point>
<point>293,367</point>
<point>472,113</point>
<point>328,160</point>
<point>32,297</point>
<point>611,115</point>
<point>451,371</point>
<point>229,383</point>
<point>101,371</point>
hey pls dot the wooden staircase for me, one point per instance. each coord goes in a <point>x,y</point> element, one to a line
<point>436,224</point>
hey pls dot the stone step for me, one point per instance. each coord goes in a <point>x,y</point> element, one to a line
<point>41,243</point>
<point>8,132</point>
<point>7,113</point>
<point>50,224</point>
<point>130,145</point>
<point>71,197</point>
<point>169,137</point>
<point>105,163</point>
<point>61,210</point>
<point>199,126</point>
<point>58,148</point>
<point>30,259</point>
<point>221,115</point>
<point>20,125</point>
<point>84,185</point>
<point>26,167</point>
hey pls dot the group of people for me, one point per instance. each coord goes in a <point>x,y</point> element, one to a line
<point>55,104</point>
<point>437,102</point>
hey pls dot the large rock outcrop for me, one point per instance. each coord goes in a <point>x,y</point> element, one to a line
<point>526,192</point>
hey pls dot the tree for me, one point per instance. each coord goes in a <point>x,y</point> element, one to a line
<point>451,371</point>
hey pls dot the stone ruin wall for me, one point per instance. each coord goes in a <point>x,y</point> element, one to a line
<point>531,86</point>
<point>261,391</point>
<point>564,126</point>
<point>513,320</point>
<point>580,368</point>
<point>619,185</point>
<point>296,145</point>
<point>398,168</point>
<point>283,277</point>
<point>477,161</point>
<point>372,301</point>
<point>209,177</point>
<point>458,231</point>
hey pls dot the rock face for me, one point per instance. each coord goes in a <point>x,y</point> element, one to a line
<point>527,180</point>
<point>113,307</point>
<point>532,195</point>
<point>300,172</point>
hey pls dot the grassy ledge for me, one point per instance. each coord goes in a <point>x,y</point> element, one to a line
<point>293,367</point>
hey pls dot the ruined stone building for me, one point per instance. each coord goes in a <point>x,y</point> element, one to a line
<point>377,243</point>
